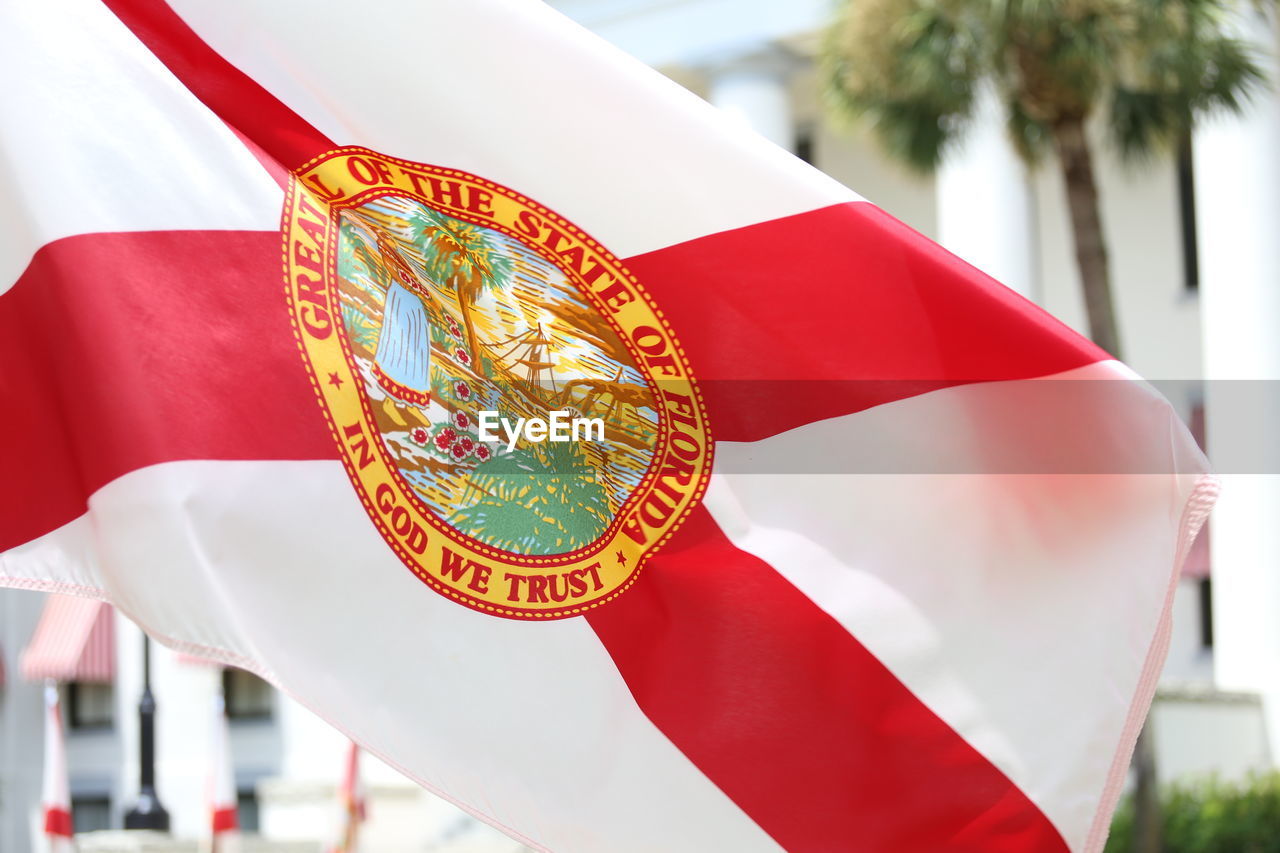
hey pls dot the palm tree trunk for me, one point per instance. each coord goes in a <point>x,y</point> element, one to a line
<point>1147,820</point>
<point>1086,226</point>
<point>469,325</point>
<point>468,292</point>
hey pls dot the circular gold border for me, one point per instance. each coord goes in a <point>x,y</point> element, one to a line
<point>324,355</point>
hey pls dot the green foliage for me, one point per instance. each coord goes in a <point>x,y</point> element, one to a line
<point>358,265</point>
<point>914,67</point>
<point>1211,817</point>
<point>911,67</point>
<point>539,499</point>
<point>359,328</point>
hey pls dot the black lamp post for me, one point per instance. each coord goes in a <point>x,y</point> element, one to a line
<point>148,813</point>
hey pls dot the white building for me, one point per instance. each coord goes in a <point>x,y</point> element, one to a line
<point>1195,251</point>
<point>288,762</point>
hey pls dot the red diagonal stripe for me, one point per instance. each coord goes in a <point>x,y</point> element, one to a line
<point>120,351</point>
<point>832,311</point>
<point>131,349</point>
<point>795,720</point>
<point>271,127</point>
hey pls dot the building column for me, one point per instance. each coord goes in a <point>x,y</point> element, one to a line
<point>1237,185</point>
<point>753,89</point>
<point>21,725</point>
<point>985,208</point>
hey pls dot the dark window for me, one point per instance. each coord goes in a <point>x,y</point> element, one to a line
<point>90,706</point>
<point>1196,423</point>
<point>1198,559</point>
<point>804,144</point>
<point>247,696</point>
<point>90,813</point>
<point>247,809</point>
<point>1187,216</point>
<point>1206,613</point>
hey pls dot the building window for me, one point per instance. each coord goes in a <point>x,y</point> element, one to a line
<point>90,813</point>
<point>1187,216</point>
<point>804,144</point>
<point>247,696</point>
<point>247,809</point>
<point>90,706</point>
<point>1206,613</point>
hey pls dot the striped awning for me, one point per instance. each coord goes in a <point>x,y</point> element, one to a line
<point>74,641</point>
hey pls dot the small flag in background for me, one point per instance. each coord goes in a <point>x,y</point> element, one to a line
<point>352,803</point>
<point>224,823</point>
<point>56,799</point>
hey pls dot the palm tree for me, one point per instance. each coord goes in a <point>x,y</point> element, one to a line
<point>1148,68</point>
<point>462,256</point>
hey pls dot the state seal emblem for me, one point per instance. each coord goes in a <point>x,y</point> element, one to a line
<point>432,305</point>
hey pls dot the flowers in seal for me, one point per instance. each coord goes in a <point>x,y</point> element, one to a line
<point>445,439</point>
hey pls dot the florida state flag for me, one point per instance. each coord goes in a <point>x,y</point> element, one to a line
<point>606,469</point>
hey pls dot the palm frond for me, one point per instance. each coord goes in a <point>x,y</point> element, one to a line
<point>907,66</point>
<point>452,248</point>
<point>910,68</point>
<point>1031,138</point>
<point>1179,62</point>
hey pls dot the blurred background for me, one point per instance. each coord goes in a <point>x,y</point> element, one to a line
<point>1136,197</point>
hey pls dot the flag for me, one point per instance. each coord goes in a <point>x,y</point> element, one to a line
<point>352,803</point>
<point>224,823</point>
<point>56,799</point>
<point>856,549</point>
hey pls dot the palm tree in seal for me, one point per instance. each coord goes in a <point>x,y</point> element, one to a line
<point>1146,69</point>
<point>462,256</point>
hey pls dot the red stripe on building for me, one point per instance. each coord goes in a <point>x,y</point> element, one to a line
<point>794,719</point>
<point>273,128</point>
<point>57,822</point>
<point>127,350</point>
<point>836,310</point>
<point>225,820</point>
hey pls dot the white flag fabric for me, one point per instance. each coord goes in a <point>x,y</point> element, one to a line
<point>869,553</point>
